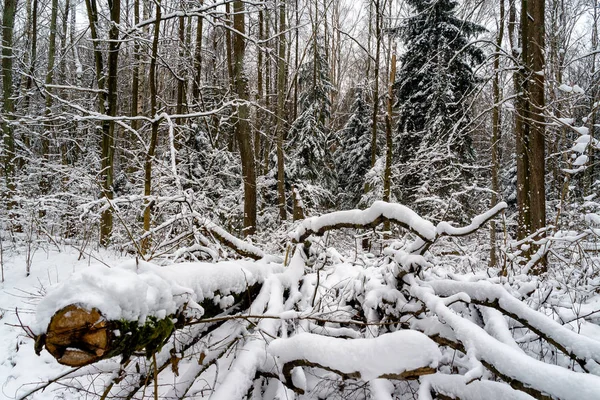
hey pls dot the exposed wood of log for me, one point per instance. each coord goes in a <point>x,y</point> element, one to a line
<point>78,337</point>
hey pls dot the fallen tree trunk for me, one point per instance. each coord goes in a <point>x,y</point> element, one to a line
<point>104,312</point>
<point>77,336</point>
<point>398,214</point>
<point>240,246</point>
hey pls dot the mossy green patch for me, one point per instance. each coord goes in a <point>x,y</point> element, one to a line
<point>150,337</point>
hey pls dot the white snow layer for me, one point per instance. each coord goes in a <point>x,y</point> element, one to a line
<point>391,353</point>
<point>395,212</point>
<point>136,290</point>
<point>392,211</point>
<point>456,386</point>
<point>581,346</point>
<point>444,228</point>
<point>548,379</point>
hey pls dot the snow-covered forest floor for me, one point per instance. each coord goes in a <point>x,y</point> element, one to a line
<point>20,368</point>
<point>335,321</point>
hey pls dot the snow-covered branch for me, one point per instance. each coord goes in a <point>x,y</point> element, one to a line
<point>583,350</point>
<point>524,373</point>
<point>382,211</point>
<point>413,355</point>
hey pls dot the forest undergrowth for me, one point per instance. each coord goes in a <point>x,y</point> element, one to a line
<point>309,311</point>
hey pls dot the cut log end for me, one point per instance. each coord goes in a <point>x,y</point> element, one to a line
<point>77,337</point>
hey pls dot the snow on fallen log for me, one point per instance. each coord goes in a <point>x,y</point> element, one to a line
<point>102,312</point>
<point>242,370</point>
<point>399,214</point>
<point>242,247</point>
<point>444,228</point>
<point>379,212</point>
<point>522,372</point>
<point>584,350</point>
<point>403,354</point>
<point>457,386</point>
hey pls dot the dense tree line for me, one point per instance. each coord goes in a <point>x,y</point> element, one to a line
<point>290,108</point>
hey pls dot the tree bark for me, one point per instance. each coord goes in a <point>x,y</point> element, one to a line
<point>48,126</point>
<point>259,92</point>
<point>106,221</point>
<point>154,132</point>
<point>521,140</point>
<point>375,88</point>
<point>590,172</point>
<point>531,197</point>
<point>108,128</point>
<point>32,56</point>
<point>387,176</point>
<point>242,126</point>
<point>536,40</point>
<point>230,56</point>
<point>8,22</point>
<point>198,58</point>
<point>281,95</point>
<point>496,133</point>
<point>181,80</point>
<point>135,79</point>
<point>376,84</point>
<point>296,59</point>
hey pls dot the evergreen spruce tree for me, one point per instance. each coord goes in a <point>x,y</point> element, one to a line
<point>310,166</point>
<point>433,88</point>
<point>353,154</point>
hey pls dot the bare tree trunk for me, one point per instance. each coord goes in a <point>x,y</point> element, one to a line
<point>154,133</point>
<point>535,39</point>
<point>198,59</point>
<point>64,43</point>
<point>181,80</point>
<point>369,36</point>
<point>228,45</point>
<point>591,169</point>
<point>496,133</point>
<point>33,56</point>
<point>387,176</point>
<point>268,90</point>
<point>48,126</point>
<point>296,60</point>
<point>532,142</point>
<point>376,84</point>
<point>73,150</point>
<point>281,95</point>
<point>8,23</point>
<point>259,84</point>
<point>63,40</point>
<point>521,140</point>
<point>315,46</point>
<point>135,81</point>
<point>242,126</point>
<point>107,104</point>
